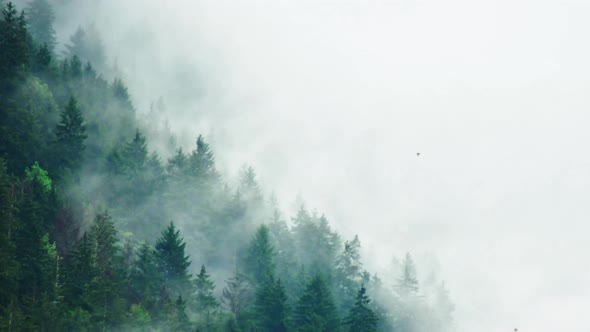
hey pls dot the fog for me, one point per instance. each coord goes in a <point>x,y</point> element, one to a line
<point>332,100</point>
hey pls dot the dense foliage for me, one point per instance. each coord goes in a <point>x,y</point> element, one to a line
<point>99,233</point>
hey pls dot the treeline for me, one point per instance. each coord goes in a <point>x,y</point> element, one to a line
<point>99,233</point>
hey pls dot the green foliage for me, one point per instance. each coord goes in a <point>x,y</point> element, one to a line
<point>259,263</point>
<point>71,134</point>
<point>204,287</point>
<point>271,306</point>
<point>361,317</point>
<point>315,310</point>
<point>55,279</point>
<point>172,260</point>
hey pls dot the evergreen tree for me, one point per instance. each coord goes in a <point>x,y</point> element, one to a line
<point>315,309</point>
<point>172,260</point>
<point>106,287</point>
<point>146,280</point>
<point>8,262</point>
<point>177,318</point>
<point>135,154</point>
<point>259,263</point>
<point>271,306</point>
<point>349,273</point>
<point>407,284</point>
<point>361,317</point>
<point>40,18</point>
<point>14,48</point>
<point>71,133</point>
<point>205,300</point>
<point>202,161</point>
<point>88,46</point>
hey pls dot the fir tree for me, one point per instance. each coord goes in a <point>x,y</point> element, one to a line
<point>361,317</point>
<point>271,306</point>
<point>172,260</point>
<point>315,309</point>
<point>202,161</point>
<point>71,133</point>
<point>259,260</point>
<point>205,300</point>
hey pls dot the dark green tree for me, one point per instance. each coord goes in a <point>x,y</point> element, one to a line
<point>361,317</point>
<point>108,308</point>
<point>14,47</point>
<point>315,310</point>
<point>146,280</point>
<point>8,262</point>
<point>271,306</point>
<point>71,133</point>
<point>206,302</point>
<point>172,260</point>
<point>259,263</point>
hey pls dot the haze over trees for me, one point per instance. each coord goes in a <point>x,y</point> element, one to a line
<point>99,232</point>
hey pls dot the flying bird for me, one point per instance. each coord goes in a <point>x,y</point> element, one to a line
<point>418,154</point>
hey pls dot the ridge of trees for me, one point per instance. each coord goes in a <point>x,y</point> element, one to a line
<point>97,232</point>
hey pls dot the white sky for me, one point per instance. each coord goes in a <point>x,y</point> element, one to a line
<point>333,99</point>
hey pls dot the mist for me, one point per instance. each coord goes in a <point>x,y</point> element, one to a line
<point>332,100</point>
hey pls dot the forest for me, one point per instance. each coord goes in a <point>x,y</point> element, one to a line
<point>98,232</point>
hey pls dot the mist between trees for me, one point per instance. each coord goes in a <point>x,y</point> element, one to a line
<point>101,233</point>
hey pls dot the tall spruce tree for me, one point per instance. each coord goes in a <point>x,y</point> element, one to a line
<point>202,161</point>
<point>271,306</point>
<point>172,260</point>
<point>206,302</point>
<point>361,317</point>
<point>315,310</point>
<point>71,133</point>
<point>259,264</point>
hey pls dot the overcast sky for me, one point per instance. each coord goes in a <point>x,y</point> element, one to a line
<point>331,100</point>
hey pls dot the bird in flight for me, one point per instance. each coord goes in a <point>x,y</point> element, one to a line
<point>418,154</point>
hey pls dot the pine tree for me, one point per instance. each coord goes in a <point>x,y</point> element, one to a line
<point>14,47</point>
<point>349,273</point>
<point>172,260</point>
<point>202,161</point>
<point>106,286</point>
<point>135,154</point>
<point>205,300</point>
<point>88,46</point>
<point>271,306</point>
<point>71,133</point>
<point>177,318</point>
<point>40,18</point>
<point>8,262</point>
<point>407,284</point>
<point>146,280</point>
<point>361,317</point>
<point>259,263</point>
<point>315,309</point>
